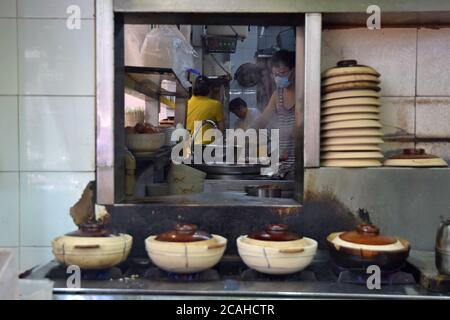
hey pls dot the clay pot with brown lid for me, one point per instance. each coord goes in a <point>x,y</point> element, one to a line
<point>365,246</point>
<point>276,250</point>
<point>185,249</point>
<point>411,157</point>
<point>349,67</point>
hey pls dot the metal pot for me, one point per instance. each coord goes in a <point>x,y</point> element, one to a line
<point>264,191</point>
<point>443,248</point>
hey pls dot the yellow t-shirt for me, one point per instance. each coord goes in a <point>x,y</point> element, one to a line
<point>203,108</point>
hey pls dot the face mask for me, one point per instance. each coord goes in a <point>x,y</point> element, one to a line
<point>282,82</point>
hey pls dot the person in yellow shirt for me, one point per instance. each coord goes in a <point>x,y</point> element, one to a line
<point>201,107</point>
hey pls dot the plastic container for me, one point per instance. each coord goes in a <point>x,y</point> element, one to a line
<point>8,275</point>
<point>35,289</point>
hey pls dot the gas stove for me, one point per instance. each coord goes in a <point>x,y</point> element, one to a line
<point>140,279</point>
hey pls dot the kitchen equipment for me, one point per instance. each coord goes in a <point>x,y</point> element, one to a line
<point>365,132</point>
<point>350,116</point>
<point>349,94</point>
<point>350,78</point>
<point>276,250</point>
<point>352,155</point>
<point>248,75</point>
<point>350,109</point>
<point>185,179</point>
<point>365,246</point>
<point>350,147</point>
<point>349,67</point>
<point>443,248</point>
<point>92,247</point>
<point>415,158</point>
<point>145,142</point>
<point>35,289</point>
<point>229,168</point>
<point>185,249</point>
<point>351,163</point>
<point>357,101</point>
<point>264,191</point>
<point>355,85</point>
<point>350,124</point>
<point>351,141</point>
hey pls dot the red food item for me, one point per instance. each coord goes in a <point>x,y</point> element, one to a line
<point>139,128</point>
<point>129,130</point>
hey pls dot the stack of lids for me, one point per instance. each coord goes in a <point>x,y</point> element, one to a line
<point>350,124</point>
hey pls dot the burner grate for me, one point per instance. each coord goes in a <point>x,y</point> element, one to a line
<point>157,274</point>
<point>60,273</point>
<point>252,275</point>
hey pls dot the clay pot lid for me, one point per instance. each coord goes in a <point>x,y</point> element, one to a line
<point>413,154</point>
<point>275,232</point>
<point>184,232</point>
<point>368,235</point>
<point>91,229</point>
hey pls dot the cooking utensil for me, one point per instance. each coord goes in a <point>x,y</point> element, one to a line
<point>350,109</point>
<point>349,116</point>
<point>276,250</point>
<point>355,85</point>
<point>352,155</point>
<point>92,247</point>
<point>354,147</point>
<point>351,140</point>
<point>365,246</point>
<point>415,158</point>
<point>264,191</point>
<point>185,250</point>
<point>351,163</point>
<point>349,67</point>
<point>350,124</point>
<point>366,101</point>
<point>359,132</point>
<point>350,94</point>
<point>248,74</point>
<point>443,248</point>
<point>349,79</point>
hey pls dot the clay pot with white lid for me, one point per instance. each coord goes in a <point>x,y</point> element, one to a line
<point>276,250</point>
<point>185,249</point>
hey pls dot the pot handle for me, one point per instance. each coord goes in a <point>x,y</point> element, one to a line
<point>298,250</point>
<point>86,246</point>
<point>216,246</point>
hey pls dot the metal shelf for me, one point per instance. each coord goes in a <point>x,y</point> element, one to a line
<point>148,80</point>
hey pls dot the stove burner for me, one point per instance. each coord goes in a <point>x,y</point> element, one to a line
<point>157,274</point>
<point>60,272</point>
<point>252,275</point>
<point>360,276</point>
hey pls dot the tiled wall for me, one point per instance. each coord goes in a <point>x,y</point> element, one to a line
<point>415,74</point>
<point>47,121</point>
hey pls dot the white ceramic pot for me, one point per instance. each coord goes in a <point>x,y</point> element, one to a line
<point>92,252</point>
<point>276,257</point>
<point>145,142</point>
<point>186,257</point>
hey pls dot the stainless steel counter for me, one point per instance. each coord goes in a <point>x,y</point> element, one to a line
<point>142,289</point>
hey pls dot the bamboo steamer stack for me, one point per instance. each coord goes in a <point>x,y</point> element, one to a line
<point>350,124</point>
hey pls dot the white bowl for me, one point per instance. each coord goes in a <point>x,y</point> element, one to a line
<point>185,257</point>
<point>271,260</point>
<point>145,142</point>
<point>92,252</point>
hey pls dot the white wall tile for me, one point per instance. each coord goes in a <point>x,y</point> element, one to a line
<point>8,54</point>
<point>8,9</point>
<point>46,198</point>
<point>33,256</point>
<point>54,8</point>
<point>391,51</point>
<point>398,116</point>
<point>57,133</point>
<point>433,62</point>
<point>433,117</point>
<point>9,134</point>
<point>54,60</point>
<point>9,209</point>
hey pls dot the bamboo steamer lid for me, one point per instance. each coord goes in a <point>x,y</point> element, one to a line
<point>348,124</point>
<point>350,116</point>
<point>350,94</point>
<point>357,101</point>
<point>350,109</point>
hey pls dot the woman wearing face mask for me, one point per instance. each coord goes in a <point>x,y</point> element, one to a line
<point>280,111</point>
